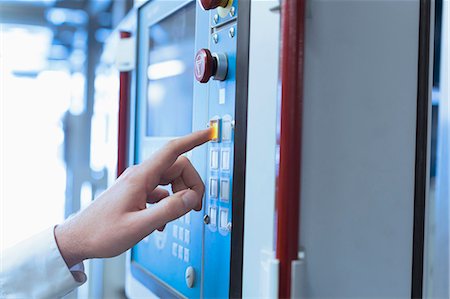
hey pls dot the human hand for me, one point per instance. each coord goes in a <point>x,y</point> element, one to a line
<point>119,218</point>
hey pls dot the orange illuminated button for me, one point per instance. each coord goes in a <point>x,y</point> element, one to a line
<point>215,125</point>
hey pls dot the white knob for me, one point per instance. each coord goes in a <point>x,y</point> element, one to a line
<point>189,276</point>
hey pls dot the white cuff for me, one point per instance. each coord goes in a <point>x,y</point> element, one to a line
<point>35,268</point>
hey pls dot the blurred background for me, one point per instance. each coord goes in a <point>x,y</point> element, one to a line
<point>59,91</point>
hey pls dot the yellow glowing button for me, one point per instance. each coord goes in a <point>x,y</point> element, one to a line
<point>214,124</point>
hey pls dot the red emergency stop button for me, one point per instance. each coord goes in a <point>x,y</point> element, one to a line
<point>211,4</point>
<point>204,65</point>
<point>209,65</point>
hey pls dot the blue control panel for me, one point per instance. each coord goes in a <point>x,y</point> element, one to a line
<point>185,81</point>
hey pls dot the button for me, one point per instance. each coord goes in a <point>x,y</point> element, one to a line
<point>214,163</point>
<point>187,236</point>
<point>213,216</point>
<point>189,276</point>
<point>186,255</point>
<point>204,65</point>
<point>181,219</point>
<point>175,231</point>
<point>207,64</point>
<point>226,130</point>
<point>224,190</point>
<point>225,161</point>
<point>223,219</point>
<point>174,249</point>
<point>213,187</point>
<point>180,233</point>
<point>180,252</point>
<point>187,218</point>
<point>215,125</point>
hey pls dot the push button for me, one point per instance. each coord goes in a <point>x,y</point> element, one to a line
<point>187,236</point>
<point>227,128</point>
<point>186,255</point>
<point>225,161</point>
<point>180,233</point>
<point>211,4</point>
<point>214,163</point>
<point>223,219</point>
<point>174,249</point>
<point>180,252</point>
<point>213,216</point>
<point>215,126</point>
<point>175,231</point>
<point>213,187</point>
<point>224,190</point>
<point>207,65</point>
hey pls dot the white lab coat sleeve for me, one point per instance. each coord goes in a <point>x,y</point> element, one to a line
<point>35,268</point>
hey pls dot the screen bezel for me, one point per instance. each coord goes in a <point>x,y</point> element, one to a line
<point>139,281</point>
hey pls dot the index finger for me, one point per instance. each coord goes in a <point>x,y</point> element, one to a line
<point>166,156</point>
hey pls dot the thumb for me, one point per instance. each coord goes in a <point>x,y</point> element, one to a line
<point>168,209</point>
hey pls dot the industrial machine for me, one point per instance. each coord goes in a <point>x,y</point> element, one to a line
<point>188,78</point>
<point>352,112</point>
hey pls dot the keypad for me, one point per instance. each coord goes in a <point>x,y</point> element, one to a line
<point>181,235</point>
<point>220,175</point>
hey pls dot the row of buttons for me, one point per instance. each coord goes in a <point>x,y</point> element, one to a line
<point>183,234</point>
<point>224,189</point>
<point>225,161</point>
<point>223,217</point>
<point>180,252</point>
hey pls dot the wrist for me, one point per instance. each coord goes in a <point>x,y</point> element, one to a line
<point>69,247</point>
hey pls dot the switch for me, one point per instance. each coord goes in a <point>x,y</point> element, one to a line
<point>214,159</point>
<point>213,216</point>
<point>225,162</point>
<point>175,231</point>
<point>186,255</point>
<point>223,219</point>
<point>213,187</point>
<point>180,233</point>
<point>227,129</point>
<point>207,65</point>
<point>215,126</point>
<point>180,252</point>
<point>174,249</point>
<point>187,236</point>
<point>224,190</point>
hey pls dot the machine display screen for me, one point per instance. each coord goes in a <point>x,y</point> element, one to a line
<point>170,75</point>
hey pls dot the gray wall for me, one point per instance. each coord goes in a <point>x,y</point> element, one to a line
<point>358,151</point>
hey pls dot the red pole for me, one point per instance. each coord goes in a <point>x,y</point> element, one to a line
<point>124,97</point>
<point>288,191</point>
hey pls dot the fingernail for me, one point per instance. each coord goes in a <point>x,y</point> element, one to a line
<point>190,199</point>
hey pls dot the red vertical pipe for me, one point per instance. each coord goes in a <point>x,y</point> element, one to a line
<point>124,98</point>
<point>288,191</point>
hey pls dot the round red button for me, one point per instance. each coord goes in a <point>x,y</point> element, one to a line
<point>203,65</point>
<point>211,4</point>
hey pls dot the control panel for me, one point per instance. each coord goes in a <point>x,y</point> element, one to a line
<point>186,81</point>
